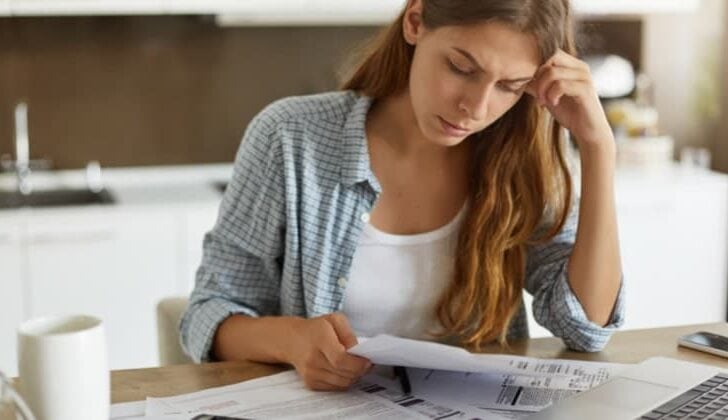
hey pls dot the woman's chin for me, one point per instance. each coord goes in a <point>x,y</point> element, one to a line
<point>444,139</point>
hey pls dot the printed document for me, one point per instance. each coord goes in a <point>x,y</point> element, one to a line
<point>447,382</point>
<point>396,351</point>
<point>512,396</point>
<point>283,396</point>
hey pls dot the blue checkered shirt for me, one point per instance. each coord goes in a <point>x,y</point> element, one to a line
<point>290,221</point>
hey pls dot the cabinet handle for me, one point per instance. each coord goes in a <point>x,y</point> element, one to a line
<point>75,237</point>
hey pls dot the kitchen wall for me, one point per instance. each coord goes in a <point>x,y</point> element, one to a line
<point>720,148</point>
<point>685,55</point>
<point>159,90</point>
<point>153,90</point>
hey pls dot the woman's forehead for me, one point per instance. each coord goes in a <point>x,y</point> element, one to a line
<point>492,45</point>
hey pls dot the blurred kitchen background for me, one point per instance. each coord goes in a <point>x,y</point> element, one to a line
<point>119,121</point>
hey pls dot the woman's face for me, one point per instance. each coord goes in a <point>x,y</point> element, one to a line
<point>463,78</point>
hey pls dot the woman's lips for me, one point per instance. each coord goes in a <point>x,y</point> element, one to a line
<point>451,129</point>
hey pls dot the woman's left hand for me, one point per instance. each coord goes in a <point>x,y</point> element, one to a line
<point>564,86</point>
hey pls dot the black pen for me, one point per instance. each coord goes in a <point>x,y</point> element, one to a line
<point>401,372</point>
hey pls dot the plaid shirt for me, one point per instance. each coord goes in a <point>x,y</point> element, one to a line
<point>290,219</point>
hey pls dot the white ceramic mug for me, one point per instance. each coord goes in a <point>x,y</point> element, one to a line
<point>63,367</point>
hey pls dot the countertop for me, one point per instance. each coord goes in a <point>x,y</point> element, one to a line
<point>135,186</point>
<point>189,185</point>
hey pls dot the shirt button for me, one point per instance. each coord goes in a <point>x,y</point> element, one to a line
<point>365,217</point>
<point>342,282</point>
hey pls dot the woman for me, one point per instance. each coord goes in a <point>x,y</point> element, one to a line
<point>419,201</point>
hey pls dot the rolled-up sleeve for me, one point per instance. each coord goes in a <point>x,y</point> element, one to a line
<point>555,306</point>
<point>240,270</point>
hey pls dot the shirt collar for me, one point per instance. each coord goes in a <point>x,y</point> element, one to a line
<point>355,163</point>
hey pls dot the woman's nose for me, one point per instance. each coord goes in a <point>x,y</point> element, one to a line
<point>475,104</point>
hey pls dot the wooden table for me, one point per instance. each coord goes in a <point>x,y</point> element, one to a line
<point>624,347</point>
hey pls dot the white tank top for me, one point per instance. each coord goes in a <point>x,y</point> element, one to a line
<point>396,281</point>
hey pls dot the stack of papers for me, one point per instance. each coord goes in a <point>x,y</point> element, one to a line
<point>447,382</point>
<point>396,351</point>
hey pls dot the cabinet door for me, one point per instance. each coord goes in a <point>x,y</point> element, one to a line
<point>83,7</point>
<point>111,264</point>
<point>11,295</point>
<point>673,234</point>
<point>673,243</point>
<point>700,237</point>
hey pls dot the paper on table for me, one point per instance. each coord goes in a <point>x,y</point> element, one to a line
<point>514,396</point>
<point>135,410</point>
<point>396,351</point>
<point>129,410</point>
<point>284,396</point>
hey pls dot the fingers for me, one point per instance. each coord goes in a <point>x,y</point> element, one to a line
<point>325,364</point>
<point>326,380</point>
<point>562,75</point>
<point>563,59</point>
<point>347,364</point>
<point>334,349</point>
<point>555,75</point>
<point>342,360</point>
<point>343,330</point>
<point>562,88</point>
<point>321,380</point>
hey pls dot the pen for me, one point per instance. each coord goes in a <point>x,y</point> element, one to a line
<point>401,372</point>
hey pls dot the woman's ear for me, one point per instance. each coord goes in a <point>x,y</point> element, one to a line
<point>412,26</point>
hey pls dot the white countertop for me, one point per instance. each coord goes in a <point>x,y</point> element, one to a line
<point>135,186</point>
<point>195,184</point>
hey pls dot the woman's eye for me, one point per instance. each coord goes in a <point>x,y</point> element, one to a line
<point>458,70</point>
<point>509,89</point>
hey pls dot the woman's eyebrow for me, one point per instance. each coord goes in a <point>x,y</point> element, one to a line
<point>476,64</point>
<point>469,57</point>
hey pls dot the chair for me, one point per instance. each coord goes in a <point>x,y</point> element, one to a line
<point>169,313</point>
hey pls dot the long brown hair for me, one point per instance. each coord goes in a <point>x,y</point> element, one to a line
<point>520,187</point>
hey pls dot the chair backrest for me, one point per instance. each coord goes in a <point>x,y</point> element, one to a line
<point>169,313</point>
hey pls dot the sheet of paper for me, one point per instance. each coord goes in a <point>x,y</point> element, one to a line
<point>284,396</point>
<point>512,396</point>
<point>136,410</point>
<point>397,351</point>
<point>126,411</point>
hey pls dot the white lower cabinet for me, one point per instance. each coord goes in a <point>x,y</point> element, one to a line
<point>673,235</point>
<point>675,256</point>
<point>114,265</point>
<point>11,293</point>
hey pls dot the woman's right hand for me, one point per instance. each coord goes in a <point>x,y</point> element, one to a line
<point>318,352</point>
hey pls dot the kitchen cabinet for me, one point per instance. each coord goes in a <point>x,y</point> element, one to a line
<point>310,12</point>
<point>673,232</point>
<point>300,12</point>
<point>674,252</point>
<point>379,12</point>
<point>633,7</point>
<point>84,7</point>
<point>115,265</point>
<point>11,292</point>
